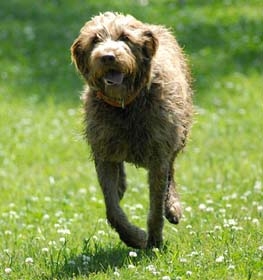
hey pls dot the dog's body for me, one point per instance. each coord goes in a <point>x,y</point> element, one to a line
<point>138,109</point>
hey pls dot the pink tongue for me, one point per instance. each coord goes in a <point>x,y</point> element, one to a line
<point>114,77</point>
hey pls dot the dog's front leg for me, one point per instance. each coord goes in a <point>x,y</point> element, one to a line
<point>110,175</point>
<point>158,177</point>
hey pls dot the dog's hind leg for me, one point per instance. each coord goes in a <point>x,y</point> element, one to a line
<point>122,186</point>
<point>173,211</point>
<point>158,177</point>
<point>111,177</point>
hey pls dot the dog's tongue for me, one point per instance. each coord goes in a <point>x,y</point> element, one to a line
<point>113,77</point>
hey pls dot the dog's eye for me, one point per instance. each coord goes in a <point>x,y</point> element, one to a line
<point>124,38</point>
<point>95,39</point>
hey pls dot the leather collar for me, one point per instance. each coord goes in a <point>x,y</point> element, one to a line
<point>117,102</point>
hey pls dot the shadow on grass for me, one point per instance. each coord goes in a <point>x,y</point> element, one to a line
<point>88,263</point>
<point>97,259</point>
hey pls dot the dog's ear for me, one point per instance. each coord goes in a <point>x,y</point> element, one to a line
<point>150,44</point>
<point>78,56</point>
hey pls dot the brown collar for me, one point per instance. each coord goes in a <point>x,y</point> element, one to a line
<point>117,102</point>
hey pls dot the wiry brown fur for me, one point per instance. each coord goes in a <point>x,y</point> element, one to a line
<point>149,131</point>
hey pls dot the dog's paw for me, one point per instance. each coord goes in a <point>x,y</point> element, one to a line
<point>154,242</point>
<point>173,212</point>
<point>136,239</point>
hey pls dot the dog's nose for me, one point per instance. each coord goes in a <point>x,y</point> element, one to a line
<point>108,58</point>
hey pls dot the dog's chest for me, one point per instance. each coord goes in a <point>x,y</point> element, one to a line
<point>133,139</point>
<point>120,136</point>
<point>136,134</point>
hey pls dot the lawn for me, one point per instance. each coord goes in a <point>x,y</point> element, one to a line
<point>52,215</point>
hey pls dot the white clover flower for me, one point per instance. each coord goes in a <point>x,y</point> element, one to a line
<point>84,191</point>
<point>230,222</point>
<point>71,262</point>
<point>63,231</point>
<point>222,210</point>
<point>217,228</point>
<point>155,250</point>
<point>47,198</point>
<point>132,254</point>
<point>138,206</point>
<point>95,237</point>
<point>183,260</point>
<point>8,270</point>
<point>46,217</point>
<point>59,213</point>
<point>166,278</point>
<point>85,258</point>
<point>258,186</point>
<point>131,266</point>
<point>202,207</point>
<point>209,209</point>
<point>62,240</point>
<point>194,253</point>
<point>13,214</point>
<point>260,248</point>
<point>237,228</point>
<point>231,267</point>
<point>116,272</point>
<point>29,260</point>
<point>174,229</point>
<point>51,180</point>
<point>135,217</point>
<point>151,268</point>
<point>255,221</point>
<point>52,243</point>
<point>188,209</point>
<point>189,273</point>
<point>220,259</point>
<point>45,250</point>
<point>30,226</point>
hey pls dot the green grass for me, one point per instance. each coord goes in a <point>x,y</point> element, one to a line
<point>52,220</point>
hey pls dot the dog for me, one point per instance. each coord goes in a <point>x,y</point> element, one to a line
<point>137,109</point>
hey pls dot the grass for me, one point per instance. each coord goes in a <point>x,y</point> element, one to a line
<point>52,216</point>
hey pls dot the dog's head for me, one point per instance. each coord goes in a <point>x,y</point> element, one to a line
<point>113,53</point>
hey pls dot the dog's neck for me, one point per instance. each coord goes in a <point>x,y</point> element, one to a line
<point>122,102</point>
<point>117,102</point>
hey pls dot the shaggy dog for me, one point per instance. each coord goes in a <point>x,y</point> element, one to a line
<point>138,109</point>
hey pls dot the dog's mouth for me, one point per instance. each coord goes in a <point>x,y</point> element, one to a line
<point>113,78</point>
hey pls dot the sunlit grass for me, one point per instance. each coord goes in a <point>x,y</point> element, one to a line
<point>52,215</point>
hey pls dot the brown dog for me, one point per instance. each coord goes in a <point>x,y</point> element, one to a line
<point>138,109</point>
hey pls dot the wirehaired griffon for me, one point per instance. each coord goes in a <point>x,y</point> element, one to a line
<point>138,109</point>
